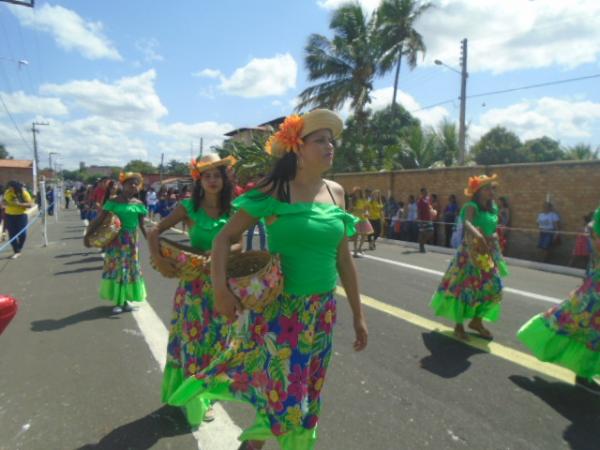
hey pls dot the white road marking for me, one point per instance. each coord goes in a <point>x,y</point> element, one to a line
<point>527,294</point>
<point>222,433</point>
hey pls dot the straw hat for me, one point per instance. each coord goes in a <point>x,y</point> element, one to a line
<point>476,183</point>
<point>124,176</point>
<point>289,136</point>
<point>208,162</point>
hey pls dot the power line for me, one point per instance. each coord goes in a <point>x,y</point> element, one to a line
<point>14,123</point>
<point>532,86</point>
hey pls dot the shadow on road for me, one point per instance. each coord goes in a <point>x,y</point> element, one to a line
<point>579,407</point>
<point>81,269</point>
<point>144,433</point>
<point>86,260</point>
<point>98,312</point>
<point>70,255</point>
<point>449,357</point>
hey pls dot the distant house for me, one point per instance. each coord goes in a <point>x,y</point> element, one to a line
<point>20,170</point>
<point>247,134</point>
<point>100,171</point>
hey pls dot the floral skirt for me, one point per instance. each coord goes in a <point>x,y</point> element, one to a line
<point>277,361</point>
<point>569,334</point>
<point>466,291</point>
<point>197,334</point>
<point>122,279</point>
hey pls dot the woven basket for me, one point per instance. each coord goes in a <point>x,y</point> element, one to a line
<point>106,232</point>
<point>483,261</point>
<point>190,262</point>
<point>255,278</point>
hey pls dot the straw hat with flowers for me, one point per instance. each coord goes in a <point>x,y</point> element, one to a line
<point>210,161</point>
<point>477,182</point>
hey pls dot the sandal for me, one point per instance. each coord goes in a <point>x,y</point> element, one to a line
<point>482,331</point>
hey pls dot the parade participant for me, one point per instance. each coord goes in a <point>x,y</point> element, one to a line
<point>375,208</point>
<point>122,280</point>
<point>68,197</point>
<point>569,334</point>
<point>16,201</point>
<point>197,333</point>
<point>472,287</point>
<point>360,209</point>
<point>280,366</point>
<point>425,214</point>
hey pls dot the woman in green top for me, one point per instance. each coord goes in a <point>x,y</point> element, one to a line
<point>569,334</point>
<point>472,286</point>
<point>279,363</point>
<point>122,280</point>
<point>197,333</point>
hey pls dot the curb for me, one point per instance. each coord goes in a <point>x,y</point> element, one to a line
<point>544,267</point>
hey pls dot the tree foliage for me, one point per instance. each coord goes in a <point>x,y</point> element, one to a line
<point>4,154</point>
<point>498,146</point>
<point>137,165</point>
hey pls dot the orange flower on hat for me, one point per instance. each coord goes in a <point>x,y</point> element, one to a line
<point>194,172</point>
<point>288,134</point>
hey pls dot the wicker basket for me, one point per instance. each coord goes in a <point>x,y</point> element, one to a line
<point>255,278</point>
<point>106,232</point>
<point>190,262</point>
<point>483,261</point>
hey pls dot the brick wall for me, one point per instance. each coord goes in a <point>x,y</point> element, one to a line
<point>24,176</point>
<point>573,187</point>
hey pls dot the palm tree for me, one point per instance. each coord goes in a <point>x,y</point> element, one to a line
<point>582,152</point>
<point>418,149</point>
<point>346,64</point>
<point>395,24</point>
<point>447,141</point>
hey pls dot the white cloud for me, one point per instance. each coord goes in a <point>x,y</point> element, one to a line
<point>69,30</point>
<point>368,5</point>
<point>262,77</point>
<point>208,73</point>
<point>130,98</point>
<point>148,47</point>
<point>21,103</point>
<point>557,118</point>
<point>516,35</point>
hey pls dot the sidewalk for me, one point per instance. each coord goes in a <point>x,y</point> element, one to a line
<point>73,375</point>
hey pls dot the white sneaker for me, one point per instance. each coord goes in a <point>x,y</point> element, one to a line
<point>15,256</point>
<point>117,310</point>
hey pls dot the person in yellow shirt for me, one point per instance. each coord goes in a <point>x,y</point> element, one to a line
<point>16,201</point>
<point>360,209</point>
<point>375,208</point>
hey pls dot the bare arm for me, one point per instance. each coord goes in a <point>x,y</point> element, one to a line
<point>225,302</point>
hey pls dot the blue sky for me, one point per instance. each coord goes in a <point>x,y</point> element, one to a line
<point>122,80</point>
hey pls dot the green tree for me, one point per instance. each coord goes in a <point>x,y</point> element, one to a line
<point>4,152</point>
<point>349,151</point>
<point>418,149</point>
<point>447,142</point>
<point>542,149</point>
<point>395,24</point>
<point>582,152</point>
<point>345,65</point>
<point>73,175</point>
<point>175,167</point>
<point>137,165</point>
<point>498,146</point>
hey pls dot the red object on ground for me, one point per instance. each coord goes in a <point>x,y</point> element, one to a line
<point>8,310</point>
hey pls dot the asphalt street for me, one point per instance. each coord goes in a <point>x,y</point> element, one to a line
<point>74,376</point>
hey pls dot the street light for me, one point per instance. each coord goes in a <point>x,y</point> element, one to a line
<point>463,99</point>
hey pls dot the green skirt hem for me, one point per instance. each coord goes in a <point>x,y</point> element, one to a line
<point>503,269</point>
<point>549,346</point>
<point>196,408</point>
<point>121,293</point>
<point>448,306</point>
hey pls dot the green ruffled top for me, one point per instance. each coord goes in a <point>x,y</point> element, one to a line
<point>305,235</point>
<point>486,221</point>
<point>597,222</point>
<point>205,228</point>
<point>129,213</point>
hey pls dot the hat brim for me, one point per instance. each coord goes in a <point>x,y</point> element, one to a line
<point>227,161</point>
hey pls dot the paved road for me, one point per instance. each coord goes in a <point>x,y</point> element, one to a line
<point>73,376</point>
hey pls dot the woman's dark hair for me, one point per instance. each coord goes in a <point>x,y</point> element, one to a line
<point>18,189</point>
<point>224,197</point>
<point>452,198</point>
<point>488,204</point>
<point>278,181</point>
<point>109,188</point>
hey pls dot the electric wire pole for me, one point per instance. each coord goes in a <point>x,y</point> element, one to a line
<point>36,159</point>
<point>463,102</point>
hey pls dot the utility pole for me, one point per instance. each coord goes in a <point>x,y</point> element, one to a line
<point>36,159</point>
<point>162,160</point>
<point>463,102</point>
<point>201,147</point>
